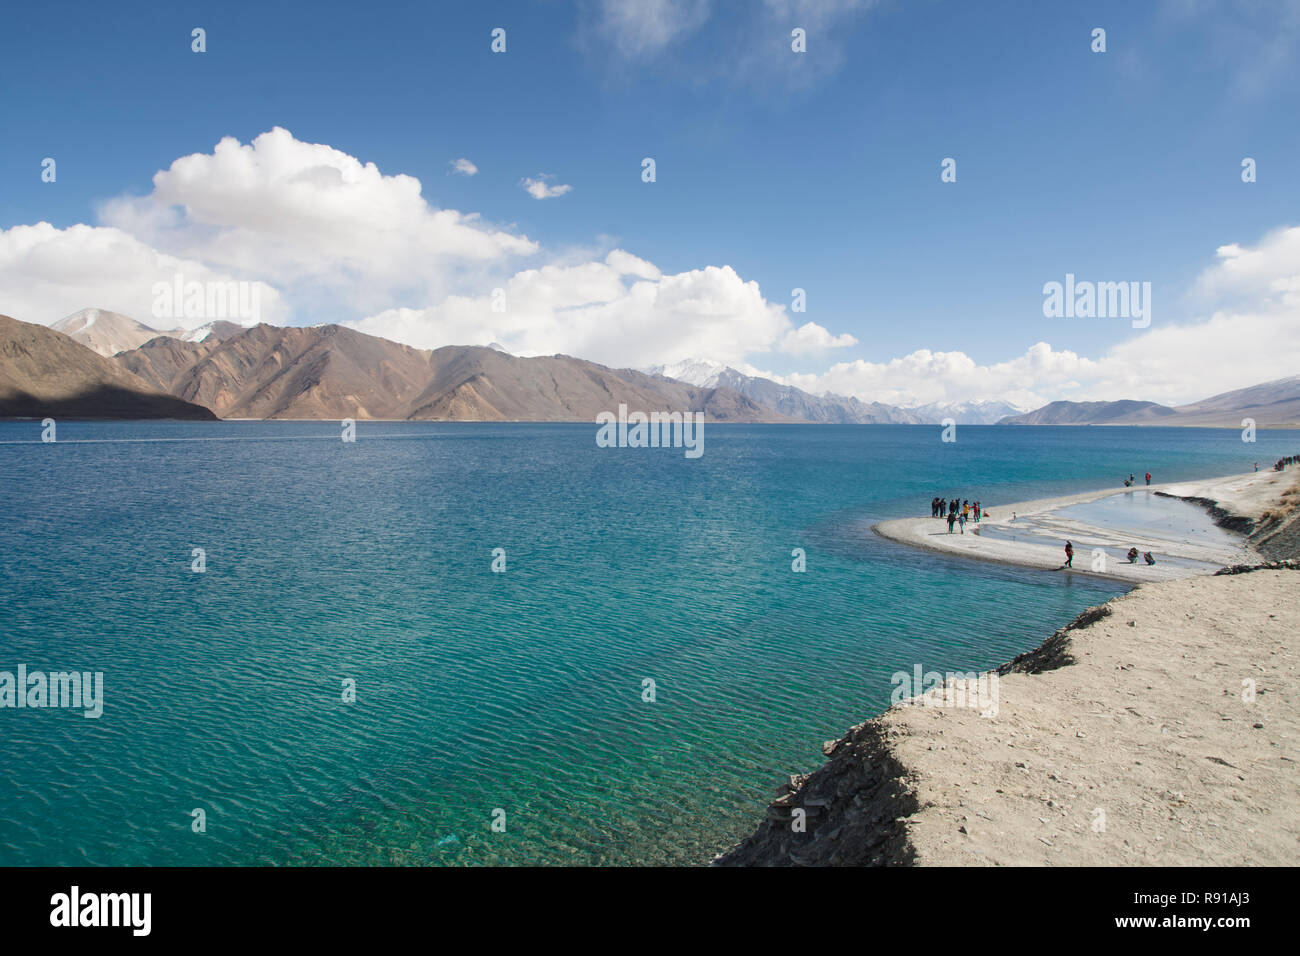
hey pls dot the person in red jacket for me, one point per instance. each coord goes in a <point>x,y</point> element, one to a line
<point>1148,477</point>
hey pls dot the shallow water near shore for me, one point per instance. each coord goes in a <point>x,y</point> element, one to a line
<point>1155,514</point>
<point>1134,517</point>
<point>478,691</point>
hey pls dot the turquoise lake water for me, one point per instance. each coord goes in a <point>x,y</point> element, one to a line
<point>477,691</point>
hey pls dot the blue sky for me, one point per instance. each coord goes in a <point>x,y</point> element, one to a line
<point>818,171</point>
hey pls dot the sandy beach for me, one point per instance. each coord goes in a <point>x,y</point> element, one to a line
<point>1160,728</point>
<point>1043,530</point>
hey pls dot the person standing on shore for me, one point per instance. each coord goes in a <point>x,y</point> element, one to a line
<point>1069,555</point>
<point>1148,478</point>
<point>952,518</point>
<point>961,520</point>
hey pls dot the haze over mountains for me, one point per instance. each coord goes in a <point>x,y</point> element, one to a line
<point>335,372</point>
<point>831,408</point>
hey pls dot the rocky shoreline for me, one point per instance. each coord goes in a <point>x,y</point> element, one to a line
<point>1128,716</point>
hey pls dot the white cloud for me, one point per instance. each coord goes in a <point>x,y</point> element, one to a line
<point>47,273</point>
<point>640,29</point>
<point>925,376</point>
<point>313,224</point>
<point>751,44</point>
<point>1170,364</point>
<point>627,264</point>
<point>621,311</point>
<point>312,219</point>
<point>1253,338</point>
<point>811,337</point>
<point>539,188</point>
<point>815,13</point>
<point>1254,46</point>
<point>1268,273</point>
<point>463,167</point>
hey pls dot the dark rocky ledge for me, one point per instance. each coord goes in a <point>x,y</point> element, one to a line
<point>858,803</point>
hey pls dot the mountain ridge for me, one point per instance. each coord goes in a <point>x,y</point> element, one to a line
<point>333,371</point>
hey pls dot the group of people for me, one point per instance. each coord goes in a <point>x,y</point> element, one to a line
<point>956,512</point>
<point>1147,556</point>
<point>1131,480</point>
<point>1283,463</point>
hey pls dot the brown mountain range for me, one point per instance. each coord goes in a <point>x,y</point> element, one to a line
<point>46,373</point>
<point>1274,404</point>
<point>334,372</point>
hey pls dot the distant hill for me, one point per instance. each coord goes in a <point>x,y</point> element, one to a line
<point>1270,404</point>
<point>334,372</point>
<point>1091,413</point>
<point>46,373</point>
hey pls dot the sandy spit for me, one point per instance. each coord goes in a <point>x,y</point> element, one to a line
<point>1241,495</point>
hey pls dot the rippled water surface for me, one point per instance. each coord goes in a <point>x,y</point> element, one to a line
<point>371,561</point>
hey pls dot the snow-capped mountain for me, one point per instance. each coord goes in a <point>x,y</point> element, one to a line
<point>107,332</point>
<point>216,331</point>
<point>967,413</point>
<point>701,372</point>
<point>786,399</point>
